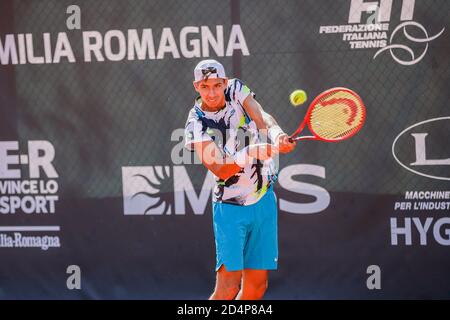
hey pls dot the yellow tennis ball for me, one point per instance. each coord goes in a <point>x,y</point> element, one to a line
<point>298,97</point>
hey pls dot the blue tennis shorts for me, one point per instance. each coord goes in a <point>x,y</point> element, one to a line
<point>246,236</point>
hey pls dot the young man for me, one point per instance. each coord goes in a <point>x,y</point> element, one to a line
<point>226,127</point>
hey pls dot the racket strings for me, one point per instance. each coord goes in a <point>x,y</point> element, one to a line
<point>337,115</point>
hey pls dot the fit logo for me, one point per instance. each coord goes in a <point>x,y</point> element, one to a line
<point>382,7</point>
<point>369,27</point>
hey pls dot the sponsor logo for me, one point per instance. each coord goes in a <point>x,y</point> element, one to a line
<point>421,229</point>
<point>117,45</point>
<point>163,190</point>
<point>168,190</point>
<point>419,148</point>
<point>407,43</point>
<point>28,186</point>
<point>12,238</point>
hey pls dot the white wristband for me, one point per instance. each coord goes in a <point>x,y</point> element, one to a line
<point>274,132</point>
<point>242,158</point>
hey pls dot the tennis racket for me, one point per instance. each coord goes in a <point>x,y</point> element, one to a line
<point>334,115</point>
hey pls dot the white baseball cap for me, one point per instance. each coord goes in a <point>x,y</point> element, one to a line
<point>210,68</point>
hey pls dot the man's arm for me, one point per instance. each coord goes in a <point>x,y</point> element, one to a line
<point>225,167</point>
<point>222,166</point>
<point>266,123</point>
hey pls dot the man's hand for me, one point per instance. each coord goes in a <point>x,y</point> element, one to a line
<point>262,151</point>
<point>283,144</point>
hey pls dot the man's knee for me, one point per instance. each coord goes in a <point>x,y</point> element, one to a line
<point>254,290</point>
<point>226,291</point>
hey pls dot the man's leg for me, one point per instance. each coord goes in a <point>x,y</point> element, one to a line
<point>254,284</point>
<point>227,284</point>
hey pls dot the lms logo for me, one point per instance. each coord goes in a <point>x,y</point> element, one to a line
<point>163,190</point>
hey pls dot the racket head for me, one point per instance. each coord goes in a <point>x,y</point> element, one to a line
<point>334,115</point>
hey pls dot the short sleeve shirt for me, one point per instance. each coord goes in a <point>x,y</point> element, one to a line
<point>231,129</point>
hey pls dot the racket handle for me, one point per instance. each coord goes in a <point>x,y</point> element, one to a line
<point>302,138</point>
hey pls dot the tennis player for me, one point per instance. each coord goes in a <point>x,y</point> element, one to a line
<point>227,128</point>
